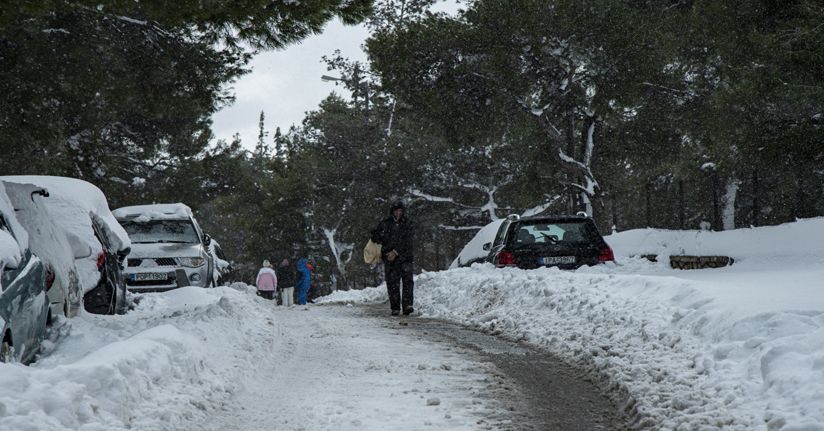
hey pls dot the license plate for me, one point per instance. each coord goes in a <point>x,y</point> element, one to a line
<point>150,276</point>
<point>557,260</point>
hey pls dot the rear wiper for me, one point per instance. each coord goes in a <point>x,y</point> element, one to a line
<point>549,238</point>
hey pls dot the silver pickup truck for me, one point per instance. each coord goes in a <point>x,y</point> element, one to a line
<point>169,250</point>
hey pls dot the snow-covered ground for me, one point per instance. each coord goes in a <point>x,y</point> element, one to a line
<point>224,359</point>
<point>740,347</point>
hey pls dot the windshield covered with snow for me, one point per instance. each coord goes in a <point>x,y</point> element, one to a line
<point>165,231</point>
<point>553,233</point>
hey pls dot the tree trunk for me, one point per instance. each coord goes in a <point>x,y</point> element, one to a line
<point>756,205</point>
<point>801,200</point>
<point>438,259</point>
<point>648,196</point>
<point>682,213</point>
<point>730,195</point>
<point>716,204</point>
<point>573,203</point>
<point>587,151</point>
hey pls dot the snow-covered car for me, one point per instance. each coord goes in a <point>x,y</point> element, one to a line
<point>58,249</point>
<point>169,250</point>
<point>222,267</point>
<point>24,279</point>
<point>81,210</point>
<point>566,242</point>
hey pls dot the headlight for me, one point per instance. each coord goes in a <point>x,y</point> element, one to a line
<point>192,262</point>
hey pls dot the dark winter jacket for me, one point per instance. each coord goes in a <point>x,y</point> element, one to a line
<point>286,276</point>
<point>397,235</point>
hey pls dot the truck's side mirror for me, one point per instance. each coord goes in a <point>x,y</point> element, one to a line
<point>488,246</point>
<point>207,239</point>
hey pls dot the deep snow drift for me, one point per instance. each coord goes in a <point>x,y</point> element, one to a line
<point>740,347</point>
<point>221,359</point>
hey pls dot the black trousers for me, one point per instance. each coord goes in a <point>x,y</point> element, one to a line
<point>397,272</point>
<point>267,294</point>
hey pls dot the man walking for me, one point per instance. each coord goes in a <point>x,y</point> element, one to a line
<point>396,236</point>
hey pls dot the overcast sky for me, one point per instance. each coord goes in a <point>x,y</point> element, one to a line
<point>286,84</point>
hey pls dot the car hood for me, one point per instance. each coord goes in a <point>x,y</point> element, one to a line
<point>165,250</point>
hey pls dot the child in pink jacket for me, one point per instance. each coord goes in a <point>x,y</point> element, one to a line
<point>267,281</point>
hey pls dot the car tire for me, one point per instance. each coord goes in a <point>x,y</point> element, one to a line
<point>99,300</point>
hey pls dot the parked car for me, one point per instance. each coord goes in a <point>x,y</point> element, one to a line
<point>58,249</point>
<point>24,279</point>
<point>222,267</point>
<point>566,242</point>
<point>81,209</point>
<point>169,250</point>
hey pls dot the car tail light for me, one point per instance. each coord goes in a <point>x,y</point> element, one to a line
<point>606,255</point>
<point>101,259</point>
<point>506,258</point>
<point>49,277</point>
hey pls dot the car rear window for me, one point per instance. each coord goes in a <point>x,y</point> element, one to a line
<point>539,232</point>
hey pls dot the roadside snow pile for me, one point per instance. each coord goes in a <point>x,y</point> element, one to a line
<point>171,360</point>
<point>740,347</point>
<point>797,239</point>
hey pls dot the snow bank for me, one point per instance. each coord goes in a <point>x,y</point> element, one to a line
<point>165,364</point>
<point>144,213</point>
<point>739,348</point>
<point>767,243</point>
<point>474,249</point>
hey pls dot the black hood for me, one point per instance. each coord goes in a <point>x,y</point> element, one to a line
<point>397,205</point>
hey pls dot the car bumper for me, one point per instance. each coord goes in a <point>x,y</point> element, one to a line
<point>165,278</point>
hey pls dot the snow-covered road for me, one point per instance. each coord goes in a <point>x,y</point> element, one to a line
<point>225,359</point>
<point>331,368</point>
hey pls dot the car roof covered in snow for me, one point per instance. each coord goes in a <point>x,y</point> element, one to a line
<point>75,202</point>
<point>144,213</point>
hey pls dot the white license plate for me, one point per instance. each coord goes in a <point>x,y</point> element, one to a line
<point>150,276</point>
<point>557,260</point>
